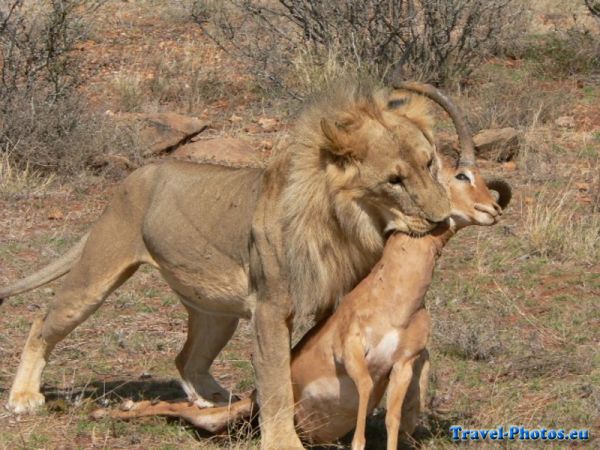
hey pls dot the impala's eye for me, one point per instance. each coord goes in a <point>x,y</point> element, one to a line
<point>395,180</point>
<point>397,103</point>
<point>462,177</point>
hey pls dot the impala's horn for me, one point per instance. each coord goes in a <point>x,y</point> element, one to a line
<point>467,148</point>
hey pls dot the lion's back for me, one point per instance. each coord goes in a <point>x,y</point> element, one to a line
<point>193,204</point>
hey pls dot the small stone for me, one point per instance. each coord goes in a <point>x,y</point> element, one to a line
<point>266,144</point>
<point>509,166</point>
<point>56,214</point>
<point>253,129</point>
<point>565,122</point>
<point>268,124</point>
<point>500,144</point>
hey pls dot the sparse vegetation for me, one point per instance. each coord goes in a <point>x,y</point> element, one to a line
<point>181,83</point>
<point>437,41</point>
<point>514,306</point>
<point>16,182</point>
<point>564,54</point>
<point>45,125</point>
<point>492,104</point>
<point>555,226</point>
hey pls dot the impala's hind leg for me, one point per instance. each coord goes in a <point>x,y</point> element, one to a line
<point>207,335</point>
<point>106,262</point>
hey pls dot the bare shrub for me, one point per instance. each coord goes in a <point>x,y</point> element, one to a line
<point>435,40</point>
<point>62,136</point>
<point>44,124</point>
<point>36,38</point>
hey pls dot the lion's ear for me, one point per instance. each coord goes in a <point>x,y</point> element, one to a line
<point>340,135</point>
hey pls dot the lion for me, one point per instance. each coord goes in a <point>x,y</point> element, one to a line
<point>273,244</point>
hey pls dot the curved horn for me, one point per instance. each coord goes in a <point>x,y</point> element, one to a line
<point>465,139</point>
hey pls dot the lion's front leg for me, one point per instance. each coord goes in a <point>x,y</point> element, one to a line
<point>272,340</point>
<point>271,361</point>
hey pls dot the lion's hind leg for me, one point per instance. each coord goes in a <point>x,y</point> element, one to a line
<point>108,259</point>
<point>207,335</point>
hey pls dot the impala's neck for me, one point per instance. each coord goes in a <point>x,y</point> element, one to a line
<point>442,234</point>
<point>405,271</point>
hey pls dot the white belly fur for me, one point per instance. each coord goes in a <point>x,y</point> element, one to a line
<point>382,353</point>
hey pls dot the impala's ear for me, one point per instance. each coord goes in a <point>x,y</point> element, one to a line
<point>342,139</point>
<point>501,191</point>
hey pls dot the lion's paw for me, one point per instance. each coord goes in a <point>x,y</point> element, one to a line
<point>25,402</point>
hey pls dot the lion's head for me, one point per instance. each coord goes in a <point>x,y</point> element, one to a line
<point>362,163</point>
<point>384,160</point>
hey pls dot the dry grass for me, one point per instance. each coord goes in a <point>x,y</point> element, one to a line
<point>16,182</point>
<point>556,227</point>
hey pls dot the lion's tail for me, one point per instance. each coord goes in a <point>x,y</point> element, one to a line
<point>46,274</point>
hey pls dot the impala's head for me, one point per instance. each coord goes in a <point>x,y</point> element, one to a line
<point>474,200</point>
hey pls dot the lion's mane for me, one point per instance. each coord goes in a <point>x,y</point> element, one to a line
<point>331,243</point>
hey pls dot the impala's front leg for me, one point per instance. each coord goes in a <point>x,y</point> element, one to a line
<point>356,366</point>
<point>400,379</point>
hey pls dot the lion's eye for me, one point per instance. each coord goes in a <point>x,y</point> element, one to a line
<point>430,164</point>
<point>462,177</point>
<point>395,180</point>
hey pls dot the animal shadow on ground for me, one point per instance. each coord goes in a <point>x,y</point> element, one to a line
<point>432,425</point>
<point>112,393</point>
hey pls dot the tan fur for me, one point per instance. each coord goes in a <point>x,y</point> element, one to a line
<point>375,340</point>
<point>312,222</point>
